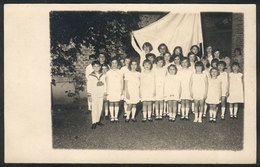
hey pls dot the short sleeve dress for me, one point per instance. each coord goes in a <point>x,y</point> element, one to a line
<point>224,83</point>
<point>160,74</point>
<point>185,76</point>
<point>172,87</point>
<point>147,86</point>
<point>133,85</point>
<point>214,91</point>
<point>114,80</point>
<point>198,85</point>
<point>236,93</point>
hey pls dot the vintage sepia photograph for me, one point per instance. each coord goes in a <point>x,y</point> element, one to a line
<point>147,80</point>
<point>130,83</point>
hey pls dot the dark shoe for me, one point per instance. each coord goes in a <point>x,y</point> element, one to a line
<point>235,117</point>
<point>187,118</point>
<point>100,124</point>
<point>231,117</point>
<point>204,116</point>
<point>214,121</point>
<point>116,121</point>
<point>127,120</point>
<point>143,120</point>
<point>112,121</point>
<point>107,117</point>
<point>134,120</point>
<point>150,119</point>
<point>182,118</point>
<point>93,126</point>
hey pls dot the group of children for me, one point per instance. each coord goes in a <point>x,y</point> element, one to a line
<point>167,85</point>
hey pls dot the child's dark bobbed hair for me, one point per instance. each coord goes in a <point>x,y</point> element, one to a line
<point>95,62</point>
<point>214,61</point>
<point>174,57</point>
<point>206,59</point>
<point>223,63</point>
<point>163,44</point>
<point>235,64</point>
<point>114,59</point>
<point>199,64</point>
<point>150,55</point>
<point>212,70</point>
<point>149,62</point>
<point>131,62</point>
<point>190,53</point>
<point>172,65</point>
<point>177,47</point>
<point>186,58</point>
<point>149,45</point>
<point>160,58</point>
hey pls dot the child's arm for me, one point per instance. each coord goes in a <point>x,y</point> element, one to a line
<point>191,83</point>
<point>126,90</point>
<point>220,90</point>
<point>227,86</point>
<point>122,85</point>
<point>206,86</point>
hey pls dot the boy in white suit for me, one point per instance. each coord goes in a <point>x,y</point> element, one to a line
<point>96,89</point>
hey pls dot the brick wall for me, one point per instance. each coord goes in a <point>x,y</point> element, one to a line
<point>237,32</point>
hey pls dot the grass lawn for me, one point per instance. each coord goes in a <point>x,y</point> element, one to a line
<point>72,130</point>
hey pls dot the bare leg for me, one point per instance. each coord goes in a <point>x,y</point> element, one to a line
<point>145,106</point>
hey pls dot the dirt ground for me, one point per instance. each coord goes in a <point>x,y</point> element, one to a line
<point>72,130</point>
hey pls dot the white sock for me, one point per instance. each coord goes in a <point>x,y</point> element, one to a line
<point>235,110</point>
<point>144,115</point>
<point>165,107</point>
<point>196,117</point>
<point>210,113</point>
<point>192,106</point>
<point>125,108</point>
<point>205,109</point>
<point>231,109</point>
<point>214,114</point>
<point>128,112</point>
<point>116,112</point>
<point>133,112</point>
<point>223,111</point>
<point>187,112</point>
<point>182,112</point>
<point>200,115</point>
<point>179,107</point>
<point>112,115</point>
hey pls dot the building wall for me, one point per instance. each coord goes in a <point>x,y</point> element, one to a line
<point>237,32</point>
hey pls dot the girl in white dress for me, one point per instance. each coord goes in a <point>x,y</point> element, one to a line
<point>199,86</point>
<point>151,57</point>
<point>223,76</point>
<point>177,62</point>
<point>209,54</point>
<point>172,91</point>
<point>193,59</point>
<point>132,89</point>
<point>206,65</point>
<point>114,80</point>
<point>214,63</point>
<point>124,70</point>
<point>147,89</point>
<point>167,58</point>
<point>185,77</point>
<point>214,94</point>
<point>105,69</point>
<point>236,90</point>
<point>160,74</point>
